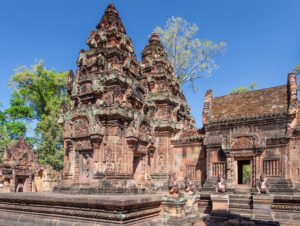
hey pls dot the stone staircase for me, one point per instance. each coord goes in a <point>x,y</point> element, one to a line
<point>208,186</point>
<point>241,204</point>
<point>282,187</point>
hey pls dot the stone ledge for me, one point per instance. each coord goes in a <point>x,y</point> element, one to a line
<point>114,209</point>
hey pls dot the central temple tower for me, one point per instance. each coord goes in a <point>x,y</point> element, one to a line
<point>108,129</point>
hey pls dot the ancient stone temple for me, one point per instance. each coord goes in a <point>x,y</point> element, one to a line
<point>108,130</point>
<point>171,116</point>
<point>254,131</point>
<point>123,115</point>
<point>133,156</point>
<point>21,172</point>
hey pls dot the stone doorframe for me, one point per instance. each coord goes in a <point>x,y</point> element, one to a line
<point>243,143</point>
<point>232,158</point>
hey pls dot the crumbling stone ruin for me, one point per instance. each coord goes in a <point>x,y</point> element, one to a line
<point>133,155</point>
<point>21,172</point>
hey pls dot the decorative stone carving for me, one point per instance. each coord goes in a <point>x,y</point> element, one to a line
<point>173,186</point>
<point>220,185</point>
<point>21,172</point>
<point>81,127</point>
<point>242,143</point>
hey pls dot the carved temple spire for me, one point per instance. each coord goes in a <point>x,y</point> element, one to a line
<point>154,50</point>
<point>111,20</point>
<point>111,142</point>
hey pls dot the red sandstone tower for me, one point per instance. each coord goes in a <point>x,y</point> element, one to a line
<point>108,130</point>
<point>172,115</point>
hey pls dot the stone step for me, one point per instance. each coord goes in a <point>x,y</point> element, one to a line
<point>281,182</point>
<point>278,190</point>
<point>240,206</point>
<point>241,212</point>
<point>241,190</point>
<point>240,196</point>
<point>240,201</point>
<point>281,186</point>
<point>282,193</point>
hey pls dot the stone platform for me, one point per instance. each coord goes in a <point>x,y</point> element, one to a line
<point>147,209</point>
<point>64,209</point>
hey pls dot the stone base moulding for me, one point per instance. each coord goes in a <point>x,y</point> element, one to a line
<point>63,209</point>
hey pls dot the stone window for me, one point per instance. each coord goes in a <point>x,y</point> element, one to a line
<point>191,171</point>
<point>271,167</point>
<point>219,169</point>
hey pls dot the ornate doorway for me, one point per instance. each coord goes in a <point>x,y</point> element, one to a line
<point>244,172</point>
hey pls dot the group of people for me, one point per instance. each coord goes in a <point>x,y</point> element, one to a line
<point>262,186</point>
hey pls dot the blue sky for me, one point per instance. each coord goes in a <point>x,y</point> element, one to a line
<point>263,37</point>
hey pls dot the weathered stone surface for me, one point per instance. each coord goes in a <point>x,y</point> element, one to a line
<point>256,129</point>
<point>63,209</point>
<point>129,128</point>
<point>123,115</point>
<point>21,172</point>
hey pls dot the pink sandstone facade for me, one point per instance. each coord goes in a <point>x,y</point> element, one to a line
<point>134,157</point>
<point>21,172</point>
<point>124,116</point>
<point>129,126</point>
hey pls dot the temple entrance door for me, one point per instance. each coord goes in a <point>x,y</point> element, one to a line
<point>244,172</point>
<point>85,168</point>
<point>21,184</point>
<point>139,170</point>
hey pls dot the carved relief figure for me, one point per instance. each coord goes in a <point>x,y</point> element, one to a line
<point>81,127</point>
<point>173,186</point>
<point>242,143</point>
<point>188,185</point>
<point>86,167</point>
<point>220,185</point>
<point>119,160</point>
<point>263,185</point>
<point>109,160</point>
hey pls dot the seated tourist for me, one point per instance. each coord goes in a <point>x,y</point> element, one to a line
<point>173,186</point>
<point>220,184</point>
<point>263,185</point>
<point>189,185</point>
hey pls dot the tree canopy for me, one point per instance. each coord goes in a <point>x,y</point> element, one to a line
<point>191,57</point>
<point>297,69</point>
<point>37,95</point>
<point>251,87</point>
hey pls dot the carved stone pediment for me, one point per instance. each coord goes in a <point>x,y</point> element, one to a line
<point>242,143</point>
<point>81,127</point>
<point>82,145</point>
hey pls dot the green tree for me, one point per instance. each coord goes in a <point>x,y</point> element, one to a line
<point>251,87</point>
<point>5,140</point>
<point>297,69</point>
<point>191,57</point>
<point>49,132</point>
<point>43,91</point>
<point>17,116</point>
<point>2,116</point>
<point>13,122</point>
